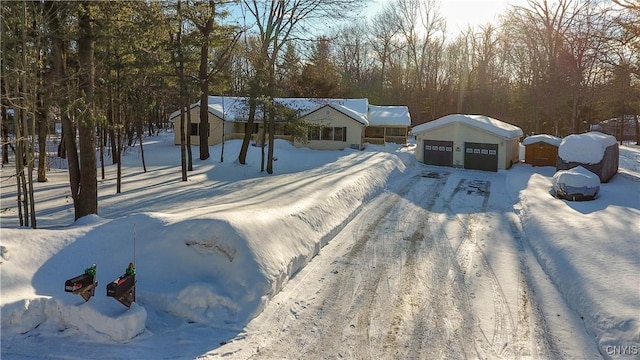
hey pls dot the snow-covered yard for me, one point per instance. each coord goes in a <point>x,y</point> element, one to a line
<point>358,254</point>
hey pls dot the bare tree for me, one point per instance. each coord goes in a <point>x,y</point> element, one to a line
<point>384,41</point>
<point>353,50</point>
<point>539,32</point>
<point>277,22</point>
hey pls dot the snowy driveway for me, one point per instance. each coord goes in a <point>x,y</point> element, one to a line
<point>434,267</point>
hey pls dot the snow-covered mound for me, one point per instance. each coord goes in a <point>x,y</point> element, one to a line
<point>576,184</point>
<point>586,148</point>
<point>215,267</point>
<point>595,151</point>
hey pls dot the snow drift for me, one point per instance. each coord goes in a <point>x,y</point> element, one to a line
<point>223,279</point>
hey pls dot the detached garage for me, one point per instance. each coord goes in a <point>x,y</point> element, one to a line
<point>468,141</point>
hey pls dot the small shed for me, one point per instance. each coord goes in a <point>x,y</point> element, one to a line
<point>541,150</point>
<point>594,151</point>
<point>469,141</point>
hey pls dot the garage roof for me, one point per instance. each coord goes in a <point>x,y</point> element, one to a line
<point>482,122</point>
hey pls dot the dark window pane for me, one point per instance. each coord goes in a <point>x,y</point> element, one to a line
<point>338,134</point>
<point>327,133</point>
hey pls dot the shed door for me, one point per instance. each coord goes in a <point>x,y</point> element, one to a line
<point>438,152</point>
<point>480,156</point>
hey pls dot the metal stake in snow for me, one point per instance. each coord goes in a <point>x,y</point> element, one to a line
<point>134,242</point>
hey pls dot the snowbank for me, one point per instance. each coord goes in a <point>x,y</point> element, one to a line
<point>218,268</point>
<point>590,252</point>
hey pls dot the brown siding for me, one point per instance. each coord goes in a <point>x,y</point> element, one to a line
<point>541,154</point>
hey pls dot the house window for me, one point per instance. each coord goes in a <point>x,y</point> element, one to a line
<point>314,133</point>
<point>340,134</point>
<point>374,132</point>
<point>195,129</point>
<point>280,129</point>
<point>327,133</point>
<point>396,132</point>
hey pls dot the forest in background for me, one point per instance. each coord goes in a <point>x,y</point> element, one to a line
<point>111,72</point>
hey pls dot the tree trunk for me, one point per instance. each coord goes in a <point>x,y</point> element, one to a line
<point>42,143</point>
<point>42,116</point>
<point>271,129</point>
<point>5,136</point>
<point>637,122</point>
<point>101,139</point>
<point>144,165</point>
<point>68,141</point>
<point>204,103</point>
<point>188,130</point>
<point>88,195</point>
<point>244,149</point>
<point>22,214</point>
<point>23,142</point>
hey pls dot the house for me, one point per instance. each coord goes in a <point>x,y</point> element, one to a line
<point>387,124</point>
<point>333,123</point>
<point>468,141</point>
<point>541,150</point>
<point>222,112</point>
<point>623,128</point>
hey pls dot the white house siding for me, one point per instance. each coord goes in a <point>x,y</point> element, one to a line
<point>215,126</point>
<point>512,152</point>
<point>330,117</point>
<point>460,133</point>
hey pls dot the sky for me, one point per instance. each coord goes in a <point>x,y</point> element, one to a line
<point>461,13</point>
<point>238,264</point>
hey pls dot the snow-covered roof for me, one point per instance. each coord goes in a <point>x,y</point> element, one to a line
<point>481,122</point>
<point>577,177</point>
<point>549,139</point>
<point>233,108</point>
<point>389,116</point>
<point>359,117</point>
<point>587,148</point>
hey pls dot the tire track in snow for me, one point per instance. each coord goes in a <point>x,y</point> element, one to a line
<point>532,332</point>
<point>471,259</point>
<point>413,301</point>
<point>351,323</point>
<point>403,274</point>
